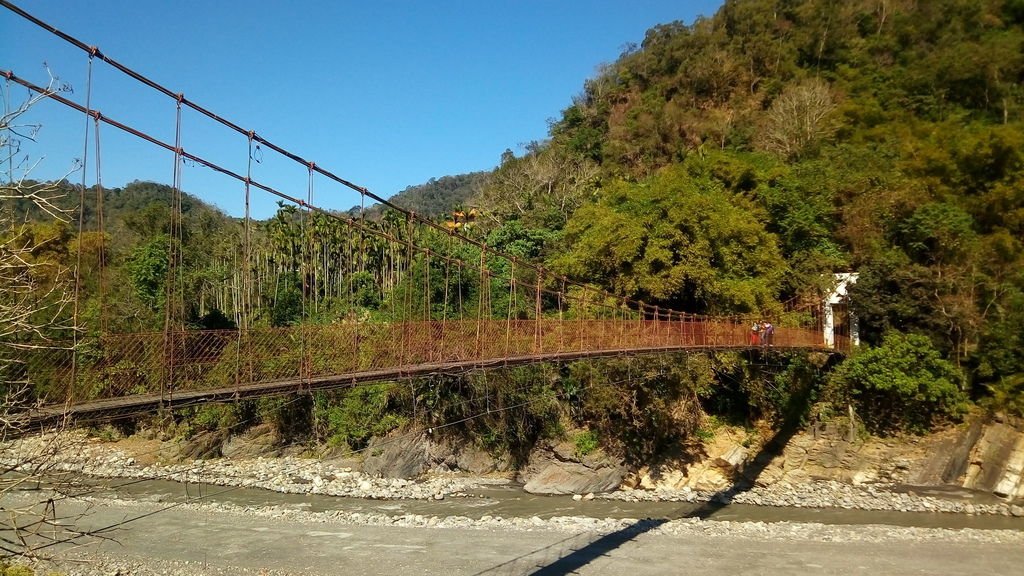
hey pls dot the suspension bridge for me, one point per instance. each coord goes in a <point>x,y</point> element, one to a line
<point>454,304</point>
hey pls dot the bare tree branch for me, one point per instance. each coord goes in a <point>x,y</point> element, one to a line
<point>35,298</point>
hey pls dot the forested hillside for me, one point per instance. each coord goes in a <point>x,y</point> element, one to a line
<point>737,162</point>
<point>728,166</point>
<point>437,197</point>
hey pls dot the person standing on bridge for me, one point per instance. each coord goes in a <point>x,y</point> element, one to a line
<point>769,333</point>
<point>755,333</point>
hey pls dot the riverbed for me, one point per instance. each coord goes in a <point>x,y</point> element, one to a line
<point>510,501</point>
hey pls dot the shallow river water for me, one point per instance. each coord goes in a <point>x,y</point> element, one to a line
<point>512,501</point>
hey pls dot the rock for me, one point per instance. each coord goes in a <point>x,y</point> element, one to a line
<point>999,450</point>
<point>203,445</point>
<point>411,457</point>
<point>365,485</point>
<point>397,457</point>
<point>255,442</point>
<point>471,459</point>
<point>712,480</point>
<point>589,496</point>
<point>1017,511</point>
<point>549,472</point>
<point>573,478</point>
<point>577,497</point>
<point>863,477</point>
<point>731,460</point>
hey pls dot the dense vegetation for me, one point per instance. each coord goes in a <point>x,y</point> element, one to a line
<point>722,167</point>
<point>737,162</point>
<point>435,198</point>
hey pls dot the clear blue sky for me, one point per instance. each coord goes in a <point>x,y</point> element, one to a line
<point>385,94</point>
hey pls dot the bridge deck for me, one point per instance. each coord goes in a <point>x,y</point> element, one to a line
<point>126,374</point>
<point>122,407</point>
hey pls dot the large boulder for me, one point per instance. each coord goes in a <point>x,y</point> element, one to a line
<point>408,456</point>
<point>396,457</point>
<point>557,470</point>
<point>257,441</point>
<point>206,444</point>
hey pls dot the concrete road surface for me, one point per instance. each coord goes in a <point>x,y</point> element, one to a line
<point>228,543</point>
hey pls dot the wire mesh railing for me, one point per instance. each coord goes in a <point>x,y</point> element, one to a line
<point>472,303</point>
<point>160,363</point>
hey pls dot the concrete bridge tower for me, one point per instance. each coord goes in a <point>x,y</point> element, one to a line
<point>839,323</point>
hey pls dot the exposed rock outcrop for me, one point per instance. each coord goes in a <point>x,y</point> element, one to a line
<point>556,469</point>
<point>979,455</point>
<point>712,466</point>
<point>204,445</point>
<point>399,457</point>
<point>257,441</point>
<point>410,456</point>
<point>997,462</point>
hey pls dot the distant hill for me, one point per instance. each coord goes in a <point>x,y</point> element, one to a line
<point>142,204</point>
<point>437,196</point>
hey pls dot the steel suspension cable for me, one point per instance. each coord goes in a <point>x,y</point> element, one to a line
<point>444,308</point>
<point>352,314</point>
<point>166,382</point>
<point>10,141</point>
<point>427,344</point>
<point>81,223</point>
<point>102,249</point>
<point>561,317</point>
<point>247,240</point>
<point>511,303</point>
<point>301,265</point>
<point>248,295</point>
<point>537,336</point>
<point>231,125</point>
<point>408,281</point>
<point>480,300</point>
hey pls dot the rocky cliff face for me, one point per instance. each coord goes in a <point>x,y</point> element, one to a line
<point>983,456</point>
<point>988,457</point>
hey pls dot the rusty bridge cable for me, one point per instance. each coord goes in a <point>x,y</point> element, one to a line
<point>81,223</point>
<point>363,191</point>
<point>100,227</point>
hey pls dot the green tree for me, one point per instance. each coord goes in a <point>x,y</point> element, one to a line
<point>679,239</point>
<point>147,271</point>
<point>902,385</point>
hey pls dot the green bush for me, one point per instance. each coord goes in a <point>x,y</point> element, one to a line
<point>289,415</point>
<point>504,411</point>
<point>641,407</point>
<point>215,417</point>
<point>903,385</point>
<point>351,417</point>
<point>708,428</point>
<point>586,442</point>
<point>1007,395</point>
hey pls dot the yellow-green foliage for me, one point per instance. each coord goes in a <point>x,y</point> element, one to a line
<point>15,570</point>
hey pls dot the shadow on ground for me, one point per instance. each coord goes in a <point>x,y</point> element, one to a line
<point>569,555</point>
<point>751,472</point>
